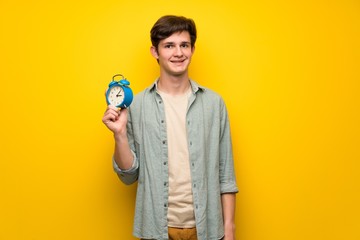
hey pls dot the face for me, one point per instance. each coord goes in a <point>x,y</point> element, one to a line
<point>174,54</point>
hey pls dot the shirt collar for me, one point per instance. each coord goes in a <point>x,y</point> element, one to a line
<point>194,86</point>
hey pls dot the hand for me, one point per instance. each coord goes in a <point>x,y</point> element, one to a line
<point>116,119</point>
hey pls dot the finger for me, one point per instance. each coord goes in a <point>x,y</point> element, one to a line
<point>110,115</point>
<point>123,111</point>
<point>112,110</point>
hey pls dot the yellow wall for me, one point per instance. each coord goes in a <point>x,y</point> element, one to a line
<point>288,70</point>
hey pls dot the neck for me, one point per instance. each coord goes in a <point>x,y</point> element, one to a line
<point>174,85</point>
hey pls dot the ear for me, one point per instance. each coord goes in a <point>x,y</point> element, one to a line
<point>154,52</point>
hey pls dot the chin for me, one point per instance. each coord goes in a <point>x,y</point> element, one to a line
<point>178,73</point>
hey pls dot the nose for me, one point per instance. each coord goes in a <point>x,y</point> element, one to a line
<point>178,51</point>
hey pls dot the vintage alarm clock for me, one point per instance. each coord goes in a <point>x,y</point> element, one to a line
<point>119,94</point>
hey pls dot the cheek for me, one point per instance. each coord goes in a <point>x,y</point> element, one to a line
<point>189,53</point>
<point>163,53</point>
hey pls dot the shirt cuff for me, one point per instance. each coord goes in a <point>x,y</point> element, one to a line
<point>131,170</point>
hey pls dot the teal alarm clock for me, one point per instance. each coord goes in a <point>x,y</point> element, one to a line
<point>119,94</point>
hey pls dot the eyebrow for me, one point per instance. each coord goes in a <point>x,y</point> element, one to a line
<point>172,43</point>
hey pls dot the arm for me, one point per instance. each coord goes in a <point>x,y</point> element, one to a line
<point>116,121</point>
<point>122,153</point>
<point>227,178</point>
<point>228,201</point>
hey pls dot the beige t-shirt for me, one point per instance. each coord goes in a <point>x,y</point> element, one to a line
<point>180,207</point>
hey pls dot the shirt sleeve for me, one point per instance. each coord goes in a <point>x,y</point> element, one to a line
<point>127,176</point>
<point>227,171</point>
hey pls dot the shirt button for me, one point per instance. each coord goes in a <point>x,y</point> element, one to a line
<point>160,102</point>
<point>165,205</point>
<point>193,164</point>
<point>164,142</point>
<point>165,184</point>
<point>164,163</point>
<point>162,121</point>
<point>194,185</point>
<point>190,143</point>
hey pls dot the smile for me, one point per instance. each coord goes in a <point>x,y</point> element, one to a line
<point>178,61</point>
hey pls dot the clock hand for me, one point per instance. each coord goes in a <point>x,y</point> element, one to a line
<point>118,95</point>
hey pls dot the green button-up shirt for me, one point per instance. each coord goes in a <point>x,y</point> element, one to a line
<point>210,154</point>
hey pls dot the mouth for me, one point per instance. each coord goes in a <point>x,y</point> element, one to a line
<point>178,61</point>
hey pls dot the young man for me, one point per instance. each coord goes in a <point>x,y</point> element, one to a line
<point>175,141</point>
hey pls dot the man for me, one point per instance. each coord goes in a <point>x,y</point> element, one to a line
<point>175,141</point>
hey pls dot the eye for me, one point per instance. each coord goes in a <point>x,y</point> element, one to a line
<point>168,46</point>
<point>185,45</point>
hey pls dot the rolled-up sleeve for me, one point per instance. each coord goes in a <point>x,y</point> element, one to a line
<point>128,176</point>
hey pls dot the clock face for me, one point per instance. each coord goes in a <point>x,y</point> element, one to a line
<point>116,96</point>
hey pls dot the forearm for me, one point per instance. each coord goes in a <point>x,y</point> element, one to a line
<point>122,153</point>
<point>228,201</point>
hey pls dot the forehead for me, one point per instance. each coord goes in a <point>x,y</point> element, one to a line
<point>178,37</point>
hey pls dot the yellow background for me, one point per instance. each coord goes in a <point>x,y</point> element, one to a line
<point>289,72</point>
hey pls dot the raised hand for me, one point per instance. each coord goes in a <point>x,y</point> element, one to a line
<point>115,119</point>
